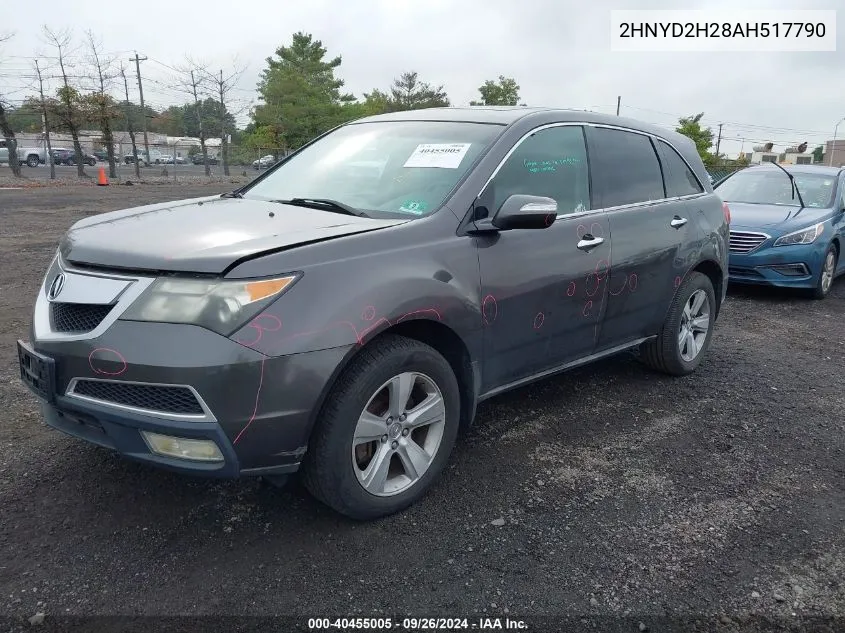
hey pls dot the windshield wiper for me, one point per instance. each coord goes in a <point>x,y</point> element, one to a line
<point>794,185</point>
<point>232,194</point>
<point>326,204</point>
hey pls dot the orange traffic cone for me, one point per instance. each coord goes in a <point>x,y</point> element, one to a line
<point>102,181</point>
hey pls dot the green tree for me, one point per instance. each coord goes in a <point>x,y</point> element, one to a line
<point>503,92</point>
<point>409,93</point>
<point>301,97</point>
<point>25,117</point>
<point>702,137</point>
<point>818,154</point>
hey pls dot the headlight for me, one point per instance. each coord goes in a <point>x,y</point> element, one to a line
<point>804,236</point>
<point>220,306</point>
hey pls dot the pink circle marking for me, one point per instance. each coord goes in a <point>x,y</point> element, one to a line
<point>538,320</point>
<point>570,291</point>
<point>369,313</point>
<point>633,280</point>
<point>103,372</point>
<point>587,307</point>
<point>484,303</point>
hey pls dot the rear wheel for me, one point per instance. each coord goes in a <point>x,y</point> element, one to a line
<point>32,161</point>
<point>828,271</point>
<point>386,430</point>
<point>685,336</point>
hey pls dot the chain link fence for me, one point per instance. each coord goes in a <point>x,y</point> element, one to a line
<point>174,162</point>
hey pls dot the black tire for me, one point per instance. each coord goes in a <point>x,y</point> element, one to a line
<point>819,292</point>
<point>328,470</point>
<point>33,161</point>
<point>663,353</point>
<point>92,162</point>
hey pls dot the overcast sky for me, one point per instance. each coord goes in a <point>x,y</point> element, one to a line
<point>558,51</point>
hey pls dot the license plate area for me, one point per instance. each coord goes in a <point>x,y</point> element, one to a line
<point>37,372</point>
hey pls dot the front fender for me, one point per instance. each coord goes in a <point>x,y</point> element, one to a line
<point>349,302</point>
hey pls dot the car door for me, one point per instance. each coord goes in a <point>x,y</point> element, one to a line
<point>542,289</point>
<point>648,229</point>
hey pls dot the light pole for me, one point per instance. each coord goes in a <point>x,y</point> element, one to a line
<point>833,144</point>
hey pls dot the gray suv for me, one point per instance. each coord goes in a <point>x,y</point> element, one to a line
<point>343,314</point>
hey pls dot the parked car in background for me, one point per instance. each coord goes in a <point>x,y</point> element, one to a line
<point>131,158</point>
<point>101,155</point>
<point>30,156</point>
<point>787,227</point>
<point>88,159</point>
<point>198,160</point>
<point>346,323</point>
<point>63,156</point>
<point>264,162</point>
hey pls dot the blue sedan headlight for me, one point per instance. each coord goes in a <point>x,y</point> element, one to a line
<point>802,236</point>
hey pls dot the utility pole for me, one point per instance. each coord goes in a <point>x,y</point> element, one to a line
<point>129,124</point>
<point>618,103</point>
<point>719,140</point>
<point>138,61</point>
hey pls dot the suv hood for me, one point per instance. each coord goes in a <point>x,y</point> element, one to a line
<point>785,218</point>
<point>202,235</point>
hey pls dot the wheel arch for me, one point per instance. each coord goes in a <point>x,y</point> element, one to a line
<point>714,272</point>
<point>434,333</point>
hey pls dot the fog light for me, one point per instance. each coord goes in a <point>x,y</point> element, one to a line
<point>183,448</point>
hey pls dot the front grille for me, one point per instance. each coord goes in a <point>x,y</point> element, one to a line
<point>77,317</point>
<point>746,241</point>
<point>161,398</point>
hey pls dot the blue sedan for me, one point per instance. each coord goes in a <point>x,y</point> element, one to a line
<point>787,226</point>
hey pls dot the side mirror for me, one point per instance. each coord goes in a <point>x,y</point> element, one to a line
<point>525,212</point>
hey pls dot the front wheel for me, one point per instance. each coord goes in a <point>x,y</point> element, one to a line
<point>685,336</point>
<point>386,430</point>
<point>828,272</point>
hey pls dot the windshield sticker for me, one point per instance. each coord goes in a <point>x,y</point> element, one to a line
<point>442,155</point>
<point>417,207</point>
<point>540,166</point>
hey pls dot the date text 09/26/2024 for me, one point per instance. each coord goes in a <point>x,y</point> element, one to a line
<point>417,624</point>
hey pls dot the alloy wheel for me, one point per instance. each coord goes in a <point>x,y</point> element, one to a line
<point>695,323</point>
<point>828,270</point>
<point>398,434</point>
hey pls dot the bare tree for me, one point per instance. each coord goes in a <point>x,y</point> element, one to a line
<point>193,79</point>
<point>129,123</point>
<point>223,86</point>
<point>45,121</point>
<point>6,129</point>
<point>102,101</point>
<point>68,95</point>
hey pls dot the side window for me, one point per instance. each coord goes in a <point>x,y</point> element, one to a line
<point>680,180</point>
<point>626,165</point>
<point>551,162</point>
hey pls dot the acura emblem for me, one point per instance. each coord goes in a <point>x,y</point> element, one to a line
<point>56,286</point>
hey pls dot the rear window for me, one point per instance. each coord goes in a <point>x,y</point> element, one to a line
<point>680,179</point>
<point>772,186</point>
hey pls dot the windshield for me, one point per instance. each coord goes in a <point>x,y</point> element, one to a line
<point>774,187</point>
<point>394,168</point>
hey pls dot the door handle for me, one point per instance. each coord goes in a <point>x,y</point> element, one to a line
<point>588,242</point>
<point>677,222</point>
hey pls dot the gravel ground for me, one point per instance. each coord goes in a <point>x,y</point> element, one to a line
<point>610,493</point>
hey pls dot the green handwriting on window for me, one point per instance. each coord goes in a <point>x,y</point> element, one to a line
<point>541,166</point>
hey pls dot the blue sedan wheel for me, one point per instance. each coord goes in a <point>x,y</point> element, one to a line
<point>827,273</point>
